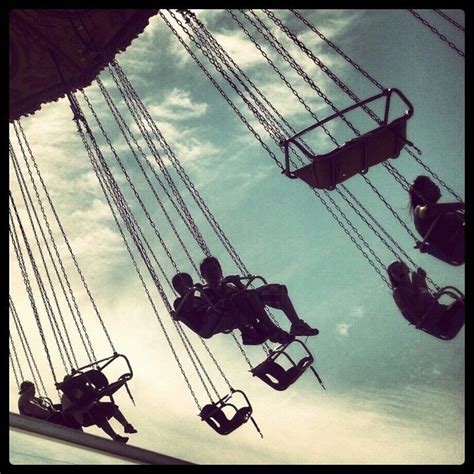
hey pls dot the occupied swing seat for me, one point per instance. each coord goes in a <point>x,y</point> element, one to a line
<point>453,252</point>
<point>214,414</point>
<point>445,330</point>
<point>279,378</point>
<point>355,156</point>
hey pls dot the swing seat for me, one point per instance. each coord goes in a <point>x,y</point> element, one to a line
<point>453,252</point>
<point>275,375</point>
<point>445,330</point>
<point>355,156</point>
<point>213,414</point>
<point>83,387</point>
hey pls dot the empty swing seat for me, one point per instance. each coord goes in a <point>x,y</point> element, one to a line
<point>214,414</point>
<point>355,156</point>
<point>276,376</point>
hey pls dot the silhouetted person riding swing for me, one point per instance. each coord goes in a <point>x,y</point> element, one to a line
<point>420,307</point>
<point>87,410</point>
<point>42,408</point>
<point>194,309</point>
<point>441,225</point>
<point>239,306</point>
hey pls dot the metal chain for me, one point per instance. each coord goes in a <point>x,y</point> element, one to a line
<point>17,361</point>
<point>198,199</point>
<point>29,290</point>
<point>244,120</point>
<point>351,237</point>
<point>24,192</point>
<point>127,176</point>
<point>407,257</point>
<point>102,180</point>
<point>330,210</point>
<point>20,176</point>
<point>162,207</point>
<point>26,347</point>
<point>437,33</point>
<point>132,227</point>
<point>66,240</point>
<point>448,18</point>
<point>13,366</point>
<point>245,76</point>
<point>209,216</point>
<point>283,78</point>
<point>182,210</point>
<point>377,84</point>
<point>213,47</point>
<point>84,336</point>
<point>47,304</point>
<point>294,65</point>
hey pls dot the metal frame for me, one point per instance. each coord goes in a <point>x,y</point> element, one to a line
<point>387,93</point>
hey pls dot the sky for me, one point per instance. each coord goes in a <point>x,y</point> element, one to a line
<point>394,395</point>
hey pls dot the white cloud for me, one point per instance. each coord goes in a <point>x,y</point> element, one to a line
<point>342,329</point>
<point>178,105</point>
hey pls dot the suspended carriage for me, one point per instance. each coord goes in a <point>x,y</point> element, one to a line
<point>355,156</point>
<point>453,249</point>
<point>89,383</point>
<point>448,325</point>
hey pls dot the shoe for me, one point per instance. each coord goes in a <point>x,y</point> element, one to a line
<point>121,439</point>
<point>281,337</point>
<point>303,329</point>
<point>129,429</point>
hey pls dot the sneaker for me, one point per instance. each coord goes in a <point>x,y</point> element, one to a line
<point>281,337</point>
<point>121,439</point>
<point>303,329</point>
<point>129,429</point>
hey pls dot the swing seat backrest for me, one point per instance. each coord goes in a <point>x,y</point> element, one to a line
<point>79,389</point>
<point>279,378</point>
<point>448,328</point>
<point>454,251</point>
<point>356,156</point>
<point>215,417</point>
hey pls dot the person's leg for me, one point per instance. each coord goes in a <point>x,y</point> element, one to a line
<point>107,428</point>
<point>276,296</point>
<point>249,304</point>
<point>119,416</point>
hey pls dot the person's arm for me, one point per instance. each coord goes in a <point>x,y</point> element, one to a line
<point>432,211</point>
<point>235,279</point>
<point>35,408</point>
<point>418,279</point>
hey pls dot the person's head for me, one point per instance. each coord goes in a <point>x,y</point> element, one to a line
<point>182,282</point>
<point>398,273</point>
<point>27,388</point>
<point>423,191</point>
<point>211,270</point>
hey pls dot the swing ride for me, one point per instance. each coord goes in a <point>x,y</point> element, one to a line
<point>59,53</point>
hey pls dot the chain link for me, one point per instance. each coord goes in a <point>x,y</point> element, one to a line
<point>437,33</point>
<point>280,74</point>
<point>76,264</point>
<point>84,336</point>
<point>26,347</point>
<point>109,183</point>
<point>17,362</point>
<point>448,18</point>
<point>25,193</point>
<point>124,124</point>
<point>18,173</point>
<point>16,246</point>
